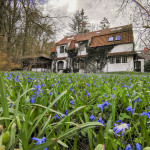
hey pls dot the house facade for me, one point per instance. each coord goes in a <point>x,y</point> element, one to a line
<point>109,50</point>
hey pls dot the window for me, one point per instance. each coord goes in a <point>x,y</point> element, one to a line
<point>81,48</point>
<point>111,39</point>
<point>62,49</point>
<point>112,60</point>
<point>118,59</point>
<point>124,59</point>
<point>98,65</point>
<point>118,38</point>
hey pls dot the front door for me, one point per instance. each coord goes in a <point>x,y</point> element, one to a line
<point>137,66</point>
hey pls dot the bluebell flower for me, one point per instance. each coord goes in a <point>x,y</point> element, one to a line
<point>88,94</point>
<point>56,117</point>
<point>113,96</point>
<point>100,120</point>
<point>100,106</point>
<point>144,113</point>
<point>124,85</point>
<point>129,87</point>
<point>138,146</point>
<point>137,100</point>
<point>128,147</point>
<point>51,93</point>
<point>71,89</point>
<point>127,95</point>
<point>114,88</point>
<point>119,121</point>
<point>121,128</point>
<point>58,93</point>
<point>129,109</point>
<point>7,95</point>
<point>40,141</point>
<point>72,102</point>
<point>106,104</point>
<point>92,117</point>
<point>32,100</point>
<point>66,112</point>
<point>85,90</point>
<point>105,95</point>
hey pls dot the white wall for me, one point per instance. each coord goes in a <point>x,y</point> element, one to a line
<point>129,66</point>
<point>83,52</point>
<point>122,48</point>
<point>60,54</point>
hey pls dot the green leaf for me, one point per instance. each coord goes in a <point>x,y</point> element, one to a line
<point>3,100</point>
<point>62,143</point>
<point>146,148</point>
<point>100,147</point>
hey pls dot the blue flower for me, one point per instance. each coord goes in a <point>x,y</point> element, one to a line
<point>66,112</point>
<point>56,117</point>
<point>105,95</point>
<point>137,100</point>
<point>127,95</point>
<point>72,102</point>
<point>71,89</point>
<point>144,113</point>
<point>100,120</point>
<point>114,88</point>
<point>88,94</point>
<point>119,121</point>
<point>51,93</point>
<point>138,146</point>
<point>129,109</point>
<point>113,96</point>
<point>85,90</point>
<point>106,104</point>
<point>40,141</point>
<point>128,147</point>
<point>92,117</point>
<point>100,106</point>
<point>32,100</point>
<point>121,128</point>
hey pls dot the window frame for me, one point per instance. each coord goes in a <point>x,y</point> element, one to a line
<point>109,39</point>
<point>124,59</point>
<point>112,60</point>
<point>118,60</point>
<point>63,49</point>
<point>117,37</point>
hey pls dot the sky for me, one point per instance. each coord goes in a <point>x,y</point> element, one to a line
<point>96,10</point>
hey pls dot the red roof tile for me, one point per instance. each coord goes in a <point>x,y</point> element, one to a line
<point>100,38</point>
<point>54,48</point>
<point>60,58</point>
<point>72,45</point>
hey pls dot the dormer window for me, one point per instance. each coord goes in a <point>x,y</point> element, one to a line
<point>118,38</point>
<point>62,49</point>
<point>110,39</point>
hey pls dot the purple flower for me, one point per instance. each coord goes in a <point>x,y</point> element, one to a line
<point>100,106</point>
<point>113,96</point>
<point>92,117</point>
<point>40,141</point>
<point>129,109</point>
<point>66,112</point>
<point>71,89</point>
<point>144,113</point>
<point>138,146</point>
<point>105,95</point>
<point>121,128</point>
<point>56,117</point>
<point>51,93</point>
<point>106,104</point>
<point>100,120</point>
<point>128,147</point>
<point>119,121</point>
<point>72,102</point>
<point>88,94</point>
<point>32,100</point>
<point>137,100</point>
<point>127,95</point>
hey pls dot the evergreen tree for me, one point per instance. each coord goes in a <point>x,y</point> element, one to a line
<point>104,24</point>
<point>79,22</point>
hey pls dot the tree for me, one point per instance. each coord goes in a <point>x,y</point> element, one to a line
<point>104,24</point>
<point>79,22</point>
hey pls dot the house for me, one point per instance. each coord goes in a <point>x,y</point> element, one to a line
<point>108,50</point>
<point>38,63</point>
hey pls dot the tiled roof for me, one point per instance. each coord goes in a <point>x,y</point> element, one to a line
<point>122,53</point>
<point>72,45</point>
<point>99,38</point>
